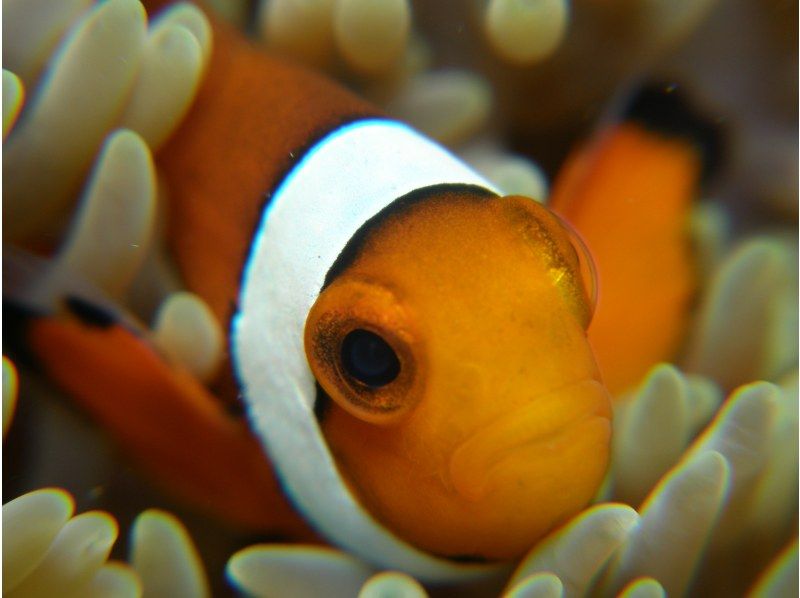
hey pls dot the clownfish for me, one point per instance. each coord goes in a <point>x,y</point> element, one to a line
<point>410,345</point>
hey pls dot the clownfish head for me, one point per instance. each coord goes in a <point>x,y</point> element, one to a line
<point>462,402</point>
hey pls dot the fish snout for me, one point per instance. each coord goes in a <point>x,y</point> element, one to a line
<point>546,447</point>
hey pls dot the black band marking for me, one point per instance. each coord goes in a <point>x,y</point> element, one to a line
<point>356,243</point>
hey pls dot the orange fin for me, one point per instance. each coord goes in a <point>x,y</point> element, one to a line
<point>161,416</point>
<point>629,194</point>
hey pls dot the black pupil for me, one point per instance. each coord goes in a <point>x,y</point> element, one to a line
<point>369,359</point>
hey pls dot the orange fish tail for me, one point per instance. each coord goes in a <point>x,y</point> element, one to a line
<point>629,193</point>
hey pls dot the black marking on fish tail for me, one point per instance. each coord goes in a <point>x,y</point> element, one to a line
<point>664,108</point>
<point>89,313</point>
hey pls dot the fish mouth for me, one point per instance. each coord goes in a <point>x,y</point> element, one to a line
<point>539,429</point>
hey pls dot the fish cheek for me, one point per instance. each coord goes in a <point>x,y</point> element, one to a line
<point>369,457</point>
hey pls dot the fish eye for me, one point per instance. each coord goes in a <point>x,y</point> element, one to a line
<point>369,359</point>
<point>571,268</point>
<point>586,265</point>
<point>365,351</point>
<point>588,269</point>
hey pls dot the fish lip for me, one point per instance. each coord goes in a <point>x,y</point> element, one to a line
<point>482,451</point>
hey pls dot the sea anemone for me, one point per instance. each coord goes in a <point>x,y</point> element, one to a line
<point>701,497</point>
<point>48,551</point>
